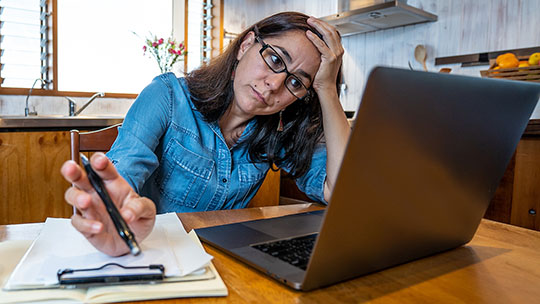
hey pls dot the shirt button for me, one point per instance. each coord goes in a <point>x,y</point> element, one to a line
<point>224,180</point>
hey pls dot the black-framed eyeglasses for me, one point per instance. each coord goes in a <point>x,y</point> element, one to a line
<point>277,65</point>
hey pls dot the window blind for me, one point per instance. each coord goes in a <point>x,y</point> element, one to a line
<point>199,44</point>
<point>24,43</point>
<point>206,25</point>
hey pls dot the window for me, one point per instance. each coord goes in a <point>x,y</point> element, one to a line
<point>95,45</point>
<point>98,43</point>
<point>23,42</point>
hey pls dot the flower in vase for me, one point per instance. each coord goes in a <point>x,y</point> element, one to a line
<point>166,52</point>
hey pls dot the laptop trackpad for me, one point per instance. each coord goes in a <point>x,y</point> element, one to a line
<point>246,233</point>
<point>289,226</point>
<point>232,235</point>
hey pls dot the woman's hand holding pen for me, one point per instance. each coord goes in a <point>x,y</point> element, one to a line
<point>94,222</point>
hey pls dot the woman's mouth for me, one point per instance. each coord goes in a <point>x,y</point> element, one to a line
<point>259,96</point>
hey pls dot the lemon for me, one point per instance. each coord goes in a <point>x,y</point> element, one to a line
<point>534,59</point>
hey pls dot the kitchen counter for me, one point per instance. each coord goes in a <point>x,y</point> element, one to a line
<point>56,122</point>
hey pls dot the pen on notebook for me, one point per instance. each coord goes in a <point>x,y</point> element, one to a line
<point>119,223</point>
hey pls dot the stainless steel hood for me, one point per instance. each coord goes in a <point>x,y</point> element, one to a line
<point>362,16</point>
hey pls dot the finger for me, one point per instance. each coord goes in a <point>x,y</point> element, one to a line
<point>103,167</point>
<point>325,27</point>
<point>78,198</point>
<point>138,208</point>
<point>330,35</point>
<point>86,226</point>
<point>328,31</point>
<point>74,174</point>
<point>320,45</point>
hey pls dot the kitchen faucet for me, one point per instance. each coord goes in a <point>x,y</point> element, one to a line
<point>72,104</point>
<point>26,108</point>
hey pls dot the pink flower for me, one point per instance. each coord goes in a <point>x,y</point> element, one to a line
<point>165,51</point>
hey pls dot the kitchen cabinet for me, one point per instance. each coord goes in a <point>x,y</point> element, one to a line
<point>32,151</point>
<point>517,200</point>
<point>31,187</point>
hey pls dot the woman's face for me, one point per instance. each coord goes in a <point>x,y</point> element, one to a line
<point>260,91</point>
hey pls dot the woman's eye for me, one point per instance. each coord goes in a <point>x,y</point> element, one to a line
<point>294,83</point>
<point>276,61</point>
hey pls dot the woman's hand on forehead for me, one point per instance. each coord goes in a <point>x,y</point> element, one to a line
<point>331,54</point>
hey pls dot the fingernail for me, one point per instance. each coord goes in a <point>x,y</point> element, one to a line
<point>96,227</point>
<point>81,199</point>
<point>99,157</point>
<point>128,215</point>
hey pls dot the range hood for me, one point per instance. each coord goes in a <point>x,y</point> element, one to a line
<point>362,16</point>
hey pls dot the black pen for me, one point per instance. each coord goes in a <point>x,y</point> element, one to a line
<point>121,226</point>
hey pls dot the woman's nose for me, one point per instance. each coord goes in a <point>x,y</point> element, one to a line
<point>275,80</point>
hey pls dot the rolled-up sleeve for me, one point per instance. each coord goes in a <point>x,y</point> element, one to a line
<point>133,151</point>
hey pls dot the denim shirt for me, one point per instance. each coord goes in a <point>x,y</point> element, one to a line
<point>169,153</point>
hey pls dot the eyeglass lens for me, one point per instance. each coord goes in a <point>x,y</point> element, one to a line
<point>276,64</point>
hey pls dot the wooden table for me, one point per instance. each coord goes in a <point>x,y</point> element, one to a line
<point>500,265</point>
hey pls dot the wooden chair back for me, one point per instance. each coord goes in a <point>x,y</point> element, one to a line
<point>94,141</point>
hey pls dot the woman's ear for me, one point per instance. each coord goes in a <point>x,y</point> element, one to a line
<point>248,41</point>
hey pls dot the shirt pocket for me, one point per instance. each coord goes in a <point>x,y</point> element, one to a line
<point>186,175</point>
<point>250,176</point>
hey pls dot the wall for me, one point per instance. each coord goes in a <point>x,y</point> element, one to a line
<point>239,14</point>
<point>54,105</point>
<point>463,27</point>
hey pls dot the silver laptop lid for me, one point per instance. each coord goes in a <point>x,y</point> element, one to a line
<point>424,159</point>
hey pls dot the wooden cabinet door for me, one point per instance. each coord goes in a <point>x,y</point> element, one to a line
<point>31,187</point>
<point>526,190</point>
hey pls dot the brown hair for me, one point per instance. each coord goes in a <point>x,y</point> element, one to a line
<point>211,89</point>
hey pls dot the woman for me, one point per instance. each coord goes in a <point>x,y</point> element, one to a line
<point>206,141</point>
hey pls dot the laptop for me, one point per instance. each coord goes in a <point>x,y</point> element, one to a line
<point>423,161</point>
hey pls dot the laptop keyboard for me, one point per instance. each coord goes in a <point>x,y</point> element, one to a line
<point>294,251</point>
